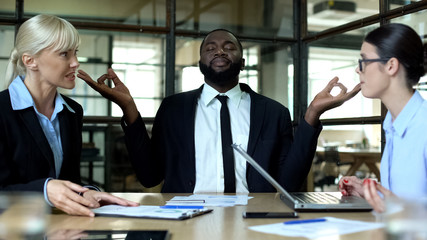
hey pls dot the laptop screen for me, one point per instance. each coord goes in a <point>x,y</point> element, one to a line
<point>261,171</point>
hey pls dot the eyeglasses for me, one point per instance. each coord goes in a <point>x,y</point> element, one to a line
<point>370,60</point>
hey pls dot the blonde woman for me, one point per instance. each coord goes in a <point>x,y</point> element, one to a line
<point>40,129</point>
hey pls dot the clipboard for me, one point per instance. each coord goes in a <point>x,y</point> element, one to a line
<point>147,211</point>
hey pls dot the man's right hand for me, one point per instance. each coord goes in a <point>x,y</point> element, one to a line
<point>119,93</point>
<point>64,196</point>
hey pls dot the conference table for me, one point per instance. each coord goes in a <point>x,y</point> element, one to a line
<point>222,223</point>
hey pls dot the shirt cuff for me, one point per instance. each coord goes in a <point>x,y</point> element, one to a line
<point>45,192</point>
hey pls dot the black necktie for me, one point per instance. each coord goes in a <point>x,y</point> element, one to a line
<point>227,150</point>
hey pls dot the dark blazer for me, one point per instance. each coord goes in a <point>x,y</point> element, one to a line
<point>26,160</point>
<point>170,153</point>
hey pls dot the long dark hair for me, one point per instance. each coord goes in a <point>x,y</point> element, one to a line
<point>402,42</point>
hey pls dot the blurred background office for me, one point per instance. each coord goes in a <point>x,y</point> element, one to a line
<point>292,49</point>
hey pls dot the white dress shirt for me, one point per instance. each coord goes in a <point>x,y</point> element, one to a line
<point>209,162</point>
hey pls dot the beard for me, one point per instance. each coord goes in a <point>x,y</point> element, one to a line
<point>224,77</point>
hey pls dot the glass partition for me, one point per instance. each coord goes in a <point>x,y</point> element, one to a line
<point>322,14</point>
<point>140,62</point>
<point>267,18</point>
<point>7,38</point>
<point>137,59</point>
<point>135,12</point>
<point>400,3</point>
<point>351,136</point>
<point>346,150</point>
<point>337,56</point>
<point>7,8</point>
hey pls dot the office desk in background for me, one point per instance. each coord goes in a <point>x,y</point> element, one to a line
<point>356,157</point>
<point>223,223</point>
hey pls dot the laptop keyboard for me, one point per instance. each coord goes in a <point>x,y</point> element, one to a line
<point>315,197</point>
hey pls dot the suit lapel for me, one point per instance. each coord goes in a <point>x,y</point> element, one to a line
<point>257,119</point>
<point>31,122</point>
<point>190,121</point>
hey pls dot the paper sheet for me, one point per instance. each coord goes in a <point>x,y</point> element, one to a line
<point>146,211</point>
<point>332,226</point>
<point>210,200</point>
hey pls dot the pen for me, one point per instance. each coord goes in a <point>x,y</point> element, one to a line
<point>181,207</point>
<point>306,221</point>
<point>186,201</point>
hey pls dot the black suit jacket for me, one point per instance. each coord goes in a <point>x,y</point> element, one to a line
<point>26,160</point>
<point>170,153</point>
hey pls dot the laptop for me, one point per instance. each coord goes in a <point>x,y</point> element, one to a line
<point>310,201</point>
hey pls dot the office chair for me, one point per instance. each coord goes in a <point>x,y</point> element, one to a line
<point>330,167</point>
<point>331,155</point>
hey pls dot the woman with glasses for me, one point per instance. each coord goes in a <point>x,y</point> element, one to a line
<point>393,61</point>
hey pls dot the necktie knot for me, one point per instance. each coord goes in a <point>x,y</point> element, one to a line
<point>222,99</point>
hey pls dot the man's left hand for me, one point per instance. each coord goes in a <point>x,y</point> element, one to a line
<point>324,100</point>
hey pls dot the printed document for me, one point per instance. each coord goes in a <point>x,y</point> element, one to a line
<point>332,226</point>
<point>210,200</point>
<point>145,211</point>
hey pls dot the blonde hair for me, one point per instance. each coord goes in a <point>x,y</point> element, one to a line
<point>39,33</point>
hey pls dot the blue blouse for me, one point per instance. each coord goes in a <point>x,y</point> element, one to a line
<point>404,161</point>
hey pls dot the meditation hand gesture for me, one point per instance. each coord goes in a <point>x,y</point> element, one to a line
<point>119,93</point>
<point>324,100</point>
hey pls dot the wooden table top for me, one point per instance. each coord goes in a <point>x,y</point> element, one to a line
<point>222,223</point>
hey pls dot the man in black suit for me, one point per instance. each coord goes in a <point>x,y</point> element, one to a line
<point>185,148</point>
